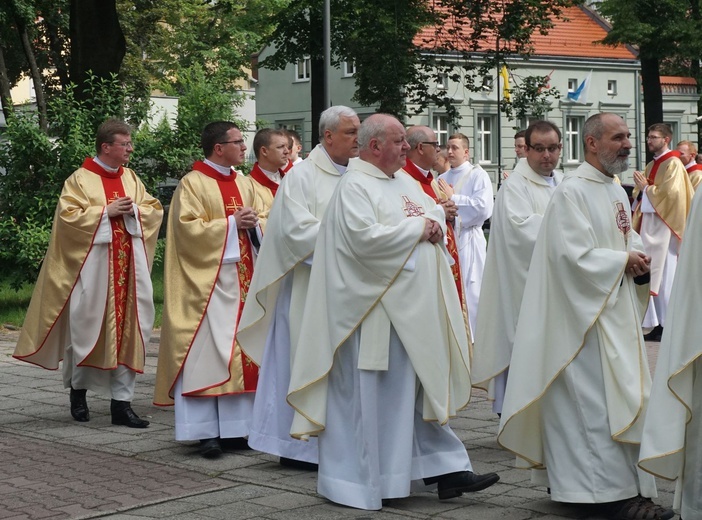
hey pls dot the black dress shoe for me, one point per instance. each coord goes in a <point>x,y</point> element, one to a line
<point>210,448</point>
<point>234,444</point>
<point>79,405</point>
<point>298,464</point>
<point>655,334</point>
<point>122,414</point>
<point>455,484</point>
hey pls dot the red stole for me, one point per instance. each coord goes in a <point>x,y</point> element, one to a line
<point>658,162</point>
<point>121,254</point>
<point>425,183</point>
<point>694,168</point>
<point>260,177</point>
<point>285,169</point>
<point>231,198</point>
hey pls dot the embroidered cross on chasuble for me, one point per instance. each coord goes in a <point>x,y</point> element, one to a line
<point>232,200</point>
<point>121,250</point>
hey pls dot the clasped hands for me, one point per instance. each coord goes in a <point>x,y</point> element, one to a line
<point>432,232</point>
<point>246,218</point>
<point>638,263</point>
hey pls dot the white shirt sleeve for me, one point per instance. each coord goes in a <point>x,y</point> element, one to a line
<point>232,252</point>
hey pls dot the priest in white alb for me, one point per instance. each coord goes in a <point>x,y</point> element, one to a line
<point>382,360</point>
<point>516,219</point>
<point>92,305</point>
<point>579,379</point>
<point>270,322</point>
<point>671,447</point>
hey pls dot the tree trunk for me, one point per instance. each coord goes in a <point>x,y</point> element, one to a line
<point>5,98</point>
<point>97,42</point>
<point>652,93</point>
<point>35,74</point>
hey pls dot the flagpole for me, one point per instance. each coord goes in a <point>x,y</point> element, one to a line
<point>499,121</point>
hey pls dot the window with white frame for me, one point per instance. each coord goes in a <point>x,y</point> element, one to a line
<point>302,69</point>
<point>439,123</point>
<point>572,85</point>
<point>573,132</point>
<point>349,69</point>
<point>611,87</point>
<point>486,140</point>
<point>442,82</point>
<point>676,132</point>
<point>486,84</point>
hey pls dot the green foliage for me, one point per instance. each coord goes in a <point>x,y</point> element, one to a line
<point>162,151</point>
<point>391,70</point>
<point>36,165</point>
<point>530,98</point>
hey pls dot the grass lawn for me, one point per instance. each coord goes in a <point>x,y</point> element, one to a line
<point>13,304</point>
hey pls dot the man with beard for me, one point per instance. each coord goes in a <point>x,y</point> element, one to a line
<point>664,194</point>
<point>519,209</point>
<point>579,380</point>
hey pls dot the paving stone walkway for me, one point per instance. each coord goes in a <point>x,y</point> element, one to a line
<point>55,468</point>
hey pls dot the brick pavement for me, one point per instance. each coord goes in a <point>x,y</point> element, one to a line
<point>53,467</point>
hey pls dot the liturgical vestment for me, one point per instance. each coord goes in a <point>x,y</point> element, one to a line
<point>94,291</point>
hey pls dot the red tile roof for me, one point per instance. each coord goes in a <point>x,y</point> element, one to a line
<point>572,37</point>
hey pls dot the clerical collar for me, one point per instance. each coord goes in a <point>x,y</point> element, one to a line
<point>339,167</point>
<point>462,167</point>
<point>550,179</point>
<point>656,157</point>
<point>424,172</point>
<point>274,176</point>
<point>224,170</point>
<point>105,167</point>
<point>690,164</point>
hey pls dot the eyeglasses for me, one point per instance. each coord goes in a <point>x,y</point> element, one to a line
<point>654,137</point>
<point>541,149</point>
<point>238,142</point>
<point>128,144</point>
<point>435,144</point>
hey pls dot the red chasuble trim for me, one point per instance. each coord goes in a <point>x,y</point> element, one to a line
<point>658,162</point>
<point>694,168</point>
<point>260,177</point>
<point>121,251</point>
<point>286,168</point>
<point>232,200</point>
<point>451,246</point>
<point>208,170</point>
<point>90,165</point>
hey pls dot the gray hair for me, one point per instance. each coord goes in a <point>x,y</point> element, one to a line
<point>374,127</point>
<point>417,134</point>
<point>595,127</point>
<point>329,119</point>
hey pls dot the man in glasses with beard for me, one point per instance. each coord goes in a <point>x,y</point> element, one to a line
<point>579,380</point>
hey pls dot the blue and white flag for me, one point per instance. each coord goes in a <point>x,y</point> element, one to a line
<point>580,93</point>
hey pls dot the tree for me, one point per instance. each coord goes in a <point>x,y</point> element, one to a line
<point>392,71</point>
<point>661,29</point>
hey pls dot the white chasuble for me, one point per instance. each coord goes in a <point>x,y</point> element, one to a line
<point>670,445</point>
<point>515,224</point>
<point>577,285</point>
<point>371,229</point>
